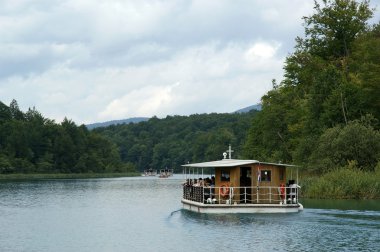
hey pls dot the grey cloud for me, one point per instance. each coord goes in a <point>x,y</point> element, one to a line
<point>77,58</point>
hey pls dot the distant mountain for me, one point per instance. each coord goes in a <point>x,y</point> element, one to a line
<point>144,119</point>
<point>247,109</point>
<point>115,122</point>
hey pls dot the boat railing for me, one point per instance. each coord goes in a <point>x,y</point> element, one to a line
<point>242,195</point>
<point>150,172</point>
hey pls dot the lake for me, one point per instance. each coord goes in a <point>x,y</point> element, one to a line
<point>144,214</point>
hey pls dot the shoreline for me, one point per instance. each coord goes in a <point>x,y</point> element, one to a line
<point>43,176</point>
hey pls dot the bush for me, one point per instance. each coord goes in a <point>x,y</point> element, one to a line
<point>344,183</point>
<point>5,165</point>
<point>356,141</point>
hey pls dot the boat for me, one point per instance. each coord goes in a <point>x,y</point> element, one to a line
<point>241,186</point>
<point>149,172</point>
<point>165,173</point>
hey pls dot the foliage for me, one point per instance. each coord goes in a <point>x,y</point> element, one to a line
<point>344,183</point>
<point>313,118</point>
<point>339,145</point>
<point>30,143</point>
<point>331,31</point>
<point>176,140</point>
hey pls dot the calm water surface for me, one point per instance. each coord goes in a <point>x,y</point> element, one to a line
<point>144,214</point>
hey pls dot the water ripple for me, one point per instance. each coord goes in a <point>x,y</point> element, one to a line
<point>145,214</point>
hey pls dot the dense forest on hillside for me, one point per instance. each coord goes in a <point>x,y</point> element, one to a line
<point>30,143</point>
<point>324,115</point>
<point>176,140</point>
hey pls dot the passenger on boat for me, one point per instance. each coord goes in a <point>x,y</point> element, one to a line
<point>212,181</point>
<point>199,182</point>
<point>207,182</point>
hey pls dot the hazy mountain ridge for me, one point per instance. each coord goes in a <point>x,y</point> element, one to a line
<point>115,122</point>
<point>249,108</point>
<point>143,119</point>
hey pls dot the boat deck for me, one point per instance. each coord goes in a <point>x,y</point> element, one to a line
<point>241,199</point>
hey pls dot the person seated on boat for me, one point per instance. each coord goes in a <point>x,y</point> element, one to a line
<point>212,181</point>
<point>198,182</point>
<point>207,182</point>
<point>201,182</point>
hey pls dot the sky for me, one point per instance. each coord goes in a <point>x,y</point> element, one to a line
<point>99,60</point>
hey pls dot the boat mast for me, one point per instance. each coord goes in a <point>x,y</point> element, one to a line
<point>229,151</point>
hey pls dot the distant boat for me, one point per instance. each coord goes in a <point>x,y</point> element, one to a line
<point>149,172</point>
<point>240,186</point>
<point>165,173</point>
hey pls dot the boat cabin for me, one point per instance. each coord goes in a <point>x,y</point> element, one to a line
<point>240,186</point>
<point>149,172</point>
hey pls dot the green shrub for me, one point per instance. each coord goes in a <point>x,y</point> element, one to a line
<point>344,183</point>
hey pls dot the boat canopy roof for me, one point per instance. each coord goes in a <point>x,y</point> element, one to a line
<point>231,163</point>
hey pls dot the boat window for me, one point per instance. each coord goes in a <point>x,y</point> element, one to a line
<point>266,175</point>
<point>225,176</point>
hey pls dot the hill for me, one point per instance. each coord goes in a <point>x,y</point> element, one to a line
<point>144,119</point>
<point>249,108</point>
<point>175,140</point>
<point>116,122</point>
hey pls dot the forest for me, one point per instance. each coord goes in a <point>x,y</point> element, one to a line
<point>176,140</point>
<point>324,115</point>
<point>30,143</point>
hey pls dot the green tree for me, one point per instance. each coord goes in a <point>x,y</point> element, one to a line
<point>331,79</point>
<point>15,110</point>
<point>5,113</point>
<point>338,146</point>
<point>331,31</point>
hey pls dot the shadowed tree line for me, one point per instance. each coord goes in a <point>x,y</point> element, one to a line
<point>30,143</point>
<point>176,140</point>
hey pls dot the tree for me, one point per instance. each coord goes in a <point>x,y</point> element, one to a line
<point>365,68</point>
<point>331,31</point>
<point>330,80</point>
<point>15,110</point>
<point>338,146</point>
<point>5,113</point>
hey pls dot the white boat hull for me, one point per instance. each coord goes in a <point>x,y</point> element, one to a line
<point>240,208</point>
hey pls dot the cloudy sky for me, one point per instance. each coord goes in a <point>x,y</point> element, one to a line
<point>99,60</point>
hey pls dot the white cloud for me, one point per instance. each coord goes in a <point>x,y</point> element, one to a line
<point>144,102</point>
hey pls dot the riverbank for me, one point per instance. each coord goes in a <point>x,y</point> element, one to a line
<point>40,176</point>
<point>342,184</point>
